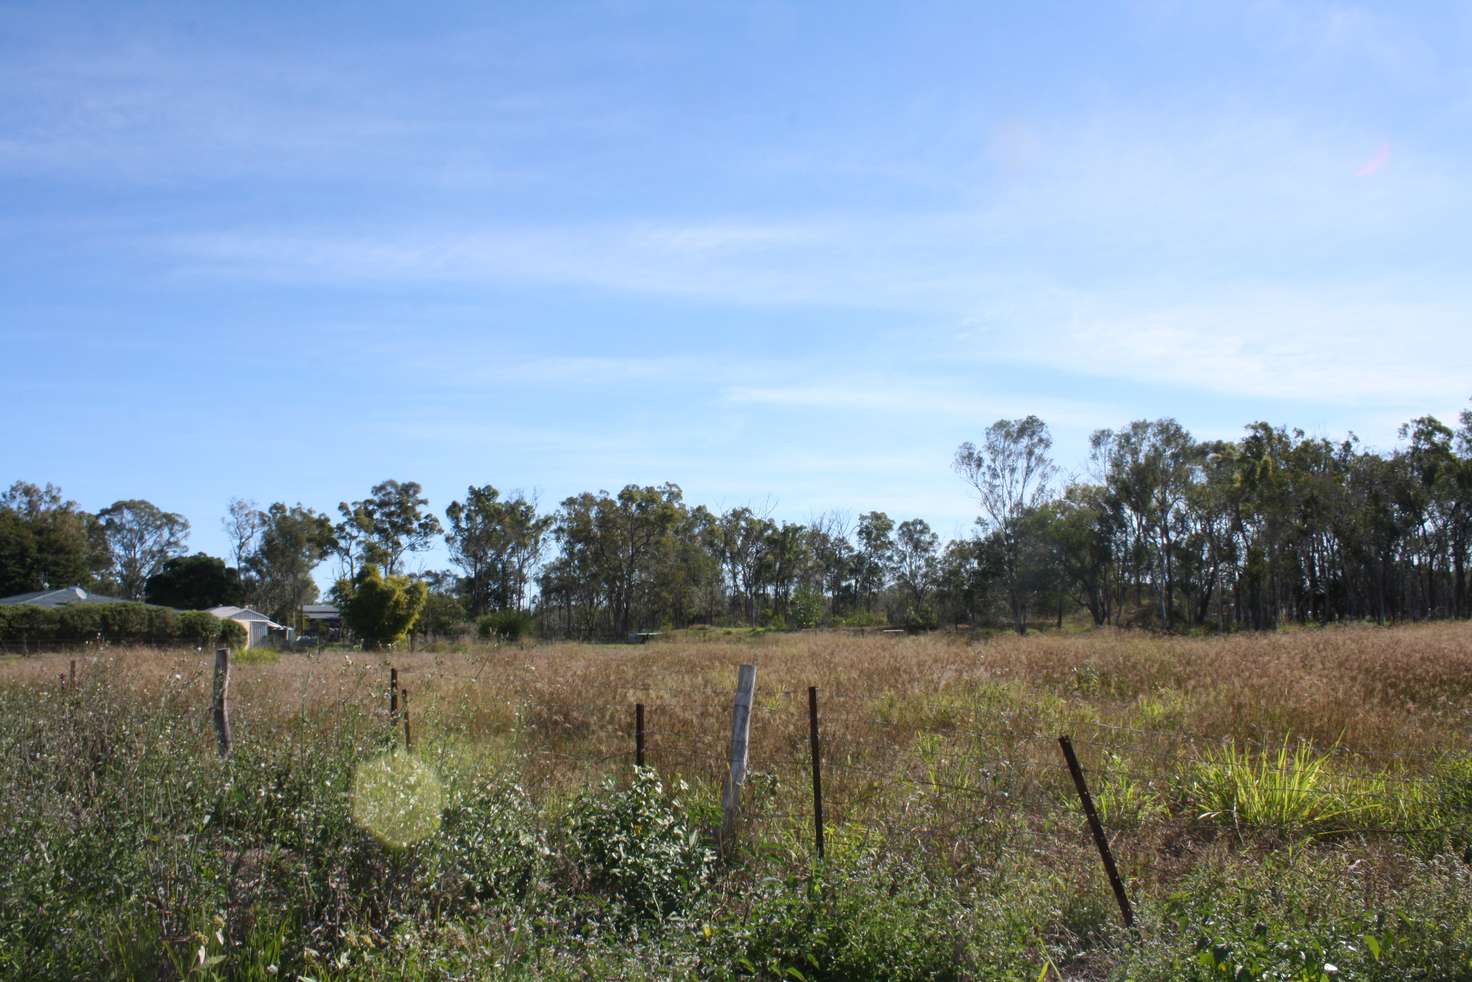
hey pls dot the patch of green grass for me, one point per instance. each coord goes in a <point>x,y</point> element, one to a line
<point>1283,789</point>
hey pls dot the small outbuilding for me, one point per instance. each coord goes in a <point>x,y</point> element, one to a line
<point>257,625</point>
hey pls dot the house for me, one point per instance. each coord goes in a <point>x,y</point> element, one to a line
<point>64,597</point>
<point>257,625</point>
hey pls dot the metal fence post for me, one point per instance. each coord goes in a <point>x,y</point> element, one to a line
<point>1098,830</point>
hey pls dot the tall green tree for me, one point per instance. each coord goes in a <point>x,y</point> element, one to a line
<point>46,541</point>
<point>1011,472</point>
<point>743,538</point>
<point>196,582</point>
<point>875,557</point>
<point>1149,467</point>
<point>915,559</point>
<point>293,542</point>
<point>497,543</point>
<point>140,537</point>
<point>392,521</point>
<point>614,556</point>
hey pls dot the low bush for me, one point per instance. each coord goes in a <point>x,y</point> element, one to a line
<point>122,623</point>
<point>1282,789</point>
<point>637,847</point>
<point>504,625</point>
<point>1286,919</point>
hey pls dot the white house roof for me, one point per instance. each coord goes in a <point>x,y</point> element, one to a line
<point>59,598</point>
<point>244,614</point>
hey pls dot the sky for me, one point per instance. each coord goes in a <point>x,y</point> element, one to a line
<point>783,255</point>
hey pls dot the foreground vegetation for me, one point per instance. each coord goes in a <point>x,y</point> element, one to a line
<point>1291,806</point>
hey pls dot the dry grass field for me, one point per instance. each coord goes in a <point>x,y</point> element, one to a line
<point>1295,805</point>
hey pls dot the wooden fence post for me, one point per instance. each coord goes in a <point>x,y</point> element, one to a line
<point>638,734</point>
<point>74,673</point>
<point>404,712</point>
<point>1098,830</point>
<point>221,697</point>
<point>817,769</point>
<point>393,695</point>
<point>740,732</point>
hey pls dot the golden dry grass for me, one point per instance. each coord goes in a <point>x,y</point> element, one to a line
<point>940,726</point>
<point>940,749</point>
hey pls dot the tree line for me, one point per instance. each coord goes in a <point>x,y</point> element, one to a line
<point>1162,531</point>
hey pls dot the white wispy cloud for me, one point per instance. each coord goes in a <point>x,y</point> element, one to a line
<point>1343,344</point>
<point>939,396</point>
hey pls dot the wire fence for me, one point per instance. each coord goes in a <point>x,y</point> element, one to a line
<point>900,773</point>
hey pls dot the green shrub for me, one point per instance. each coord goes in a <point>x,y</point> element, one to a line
<point>380,610</point>
<point>125,623</point>
<point>1287,919</point>
<point>492,845</point>
<point>504,625</point>
<point>80,622</point>
<point>231,634</point>
<point>637,847</point>
<point>807,608</point>
<point>919,618</point>
<point>163,623</point>
<point>29,623</point>
<point>197,628</point>
<point>872,920</point>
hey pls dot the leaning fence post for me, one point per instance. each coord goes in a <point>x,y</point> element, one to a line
<point>1098,830</point>
<point>740,732</point>
<point>638,734</point>
<point>817,769</point>
<point>221,695</point>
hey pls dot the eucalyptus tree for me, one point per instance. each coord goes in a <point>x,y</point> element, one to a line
<point>1148,468</point>
<point>242,525</point>
<point>1075,537</point>
<point>381,528</point>
<point>293,542</point>
<point>1432,504</point>
<point>875,555</point>
<point>834,560</point>
<point>785,563</point>
<point>141,537</point>
<point>612,556</point>
<point>1011,472</point>
<point>497,543</point>
<point>915,560</point>
<point>742,535</point>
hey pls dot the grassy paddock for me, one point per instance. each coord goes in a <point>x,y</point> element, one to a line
<point>1290,806</point>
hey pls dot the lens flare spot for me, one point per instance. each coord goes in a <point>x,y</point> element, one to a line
<point>397,799</point>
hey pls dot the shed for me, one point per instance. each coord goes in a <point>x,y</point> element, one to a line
<point>257,625</point>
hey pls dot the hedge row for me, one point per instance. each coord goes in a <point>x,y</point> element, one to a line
<point>117,624</point>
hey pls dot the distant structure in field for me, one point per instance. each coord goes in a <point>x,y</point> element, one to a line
<point>257,625</point>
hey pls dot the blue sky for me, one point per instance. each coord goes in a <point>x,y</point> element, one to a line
<point>787,255</point>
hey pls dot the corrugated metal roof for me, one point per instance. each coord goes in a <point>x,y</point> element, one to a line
<point>244,614</point>
<point>60,598</point>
